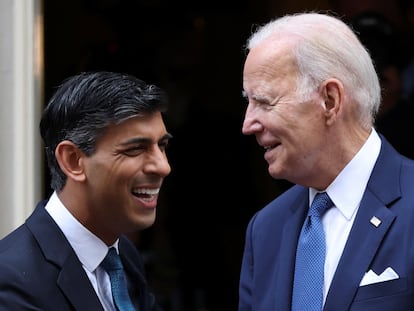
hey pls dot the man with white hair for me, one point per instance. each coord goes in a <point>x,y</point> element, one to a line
<point>313,94</point>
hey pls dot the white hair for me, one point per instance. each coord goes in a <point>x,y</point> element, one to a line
<point>325,47</point>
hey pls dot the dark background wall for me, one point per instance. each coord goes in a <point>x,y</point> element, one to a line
<point>194,50</point>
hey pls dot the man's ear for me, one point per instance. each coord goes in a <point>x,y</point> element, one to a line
<point>70,159</point>
<point>332,94</point>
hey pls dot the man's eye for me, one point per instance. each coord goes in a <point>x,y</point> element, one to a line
<point>163,146</point>
<point>264,104</point>
<point>130,152</point>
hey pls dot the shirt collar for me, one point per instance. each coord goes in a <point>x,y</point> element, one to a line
<point>88,247</point>
<point>347,189</point>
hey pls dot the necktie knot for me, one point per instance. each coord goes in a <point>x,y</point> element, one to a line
<point>112,261</point>
<point>321,203</point>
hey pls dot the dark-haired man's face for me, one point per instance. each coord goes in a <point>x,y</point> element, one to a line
<point>124,176</point>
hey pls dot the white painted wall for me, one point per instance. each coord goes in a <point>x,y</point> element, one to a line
<point>21,82</point>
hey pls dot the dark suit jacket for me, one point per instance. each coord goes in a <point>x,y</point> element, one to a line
<point>266,278</point>
<point>39,270</point>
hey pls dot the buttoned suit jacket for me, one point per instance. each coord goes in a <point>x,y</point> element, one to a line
<point>39,270</point>
<point>267,271</point>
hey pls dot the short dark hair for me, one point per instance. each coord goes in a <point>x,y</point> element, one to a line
<point>84,105</point>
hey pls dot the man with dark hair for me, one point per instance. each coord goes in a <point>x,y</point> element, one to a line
<point>105,142</point>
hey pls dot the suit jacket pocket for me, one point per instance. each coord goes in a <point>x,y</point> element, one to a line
<point>387,288</point>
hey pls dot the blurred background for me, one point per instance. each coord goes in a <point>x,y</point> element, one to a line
<point>194,50</point>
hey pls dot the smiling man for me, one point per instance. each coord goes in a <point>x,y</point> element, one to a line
<point>105,143</point>
<point>342,237</point>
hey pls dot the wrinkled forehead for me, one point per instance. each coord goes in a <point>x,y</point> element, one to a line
<point>275,51</point>
<point>269,65</point>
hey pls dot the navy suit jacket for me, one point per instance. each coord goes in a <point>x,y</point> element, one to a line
<point>266,278</point>
<point>39,270</point>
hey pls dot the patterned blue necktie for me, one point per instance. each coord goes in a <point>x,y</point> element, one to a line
<point>113,266</point>
<point>310,258</point>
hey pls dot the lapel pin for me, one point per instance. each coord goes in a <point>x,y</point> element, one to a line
<point>375,221</point>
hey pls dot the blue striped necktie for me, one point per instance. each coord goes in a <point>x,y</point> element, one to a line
<point>113,266</point>
<point>310,258</point>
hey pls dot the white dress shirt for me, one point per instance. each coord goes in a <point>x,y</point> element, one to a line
<point>88,247</point>
<point>346,192</point>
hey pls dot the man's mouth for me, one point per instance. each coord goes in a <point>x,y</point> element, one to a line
<point>146,194</point>
<point>270,147</point>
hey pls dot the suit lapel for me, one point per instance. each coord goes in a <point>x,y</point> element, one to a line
<point>287,253</point>
<point>364,240</point>
<point>72,278</point>
<point>365,237</point>
<point>133,264</point>
<point>76,286</point>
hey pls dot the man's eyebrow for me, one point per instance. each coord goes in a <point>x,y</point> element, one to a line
<point>260,98</point>
<point>257,97</point>
<point>135,140</point>
<point>140,140</point>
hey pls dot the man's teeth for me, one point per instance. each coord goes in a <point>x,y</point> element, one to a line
<point>146,191</point>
